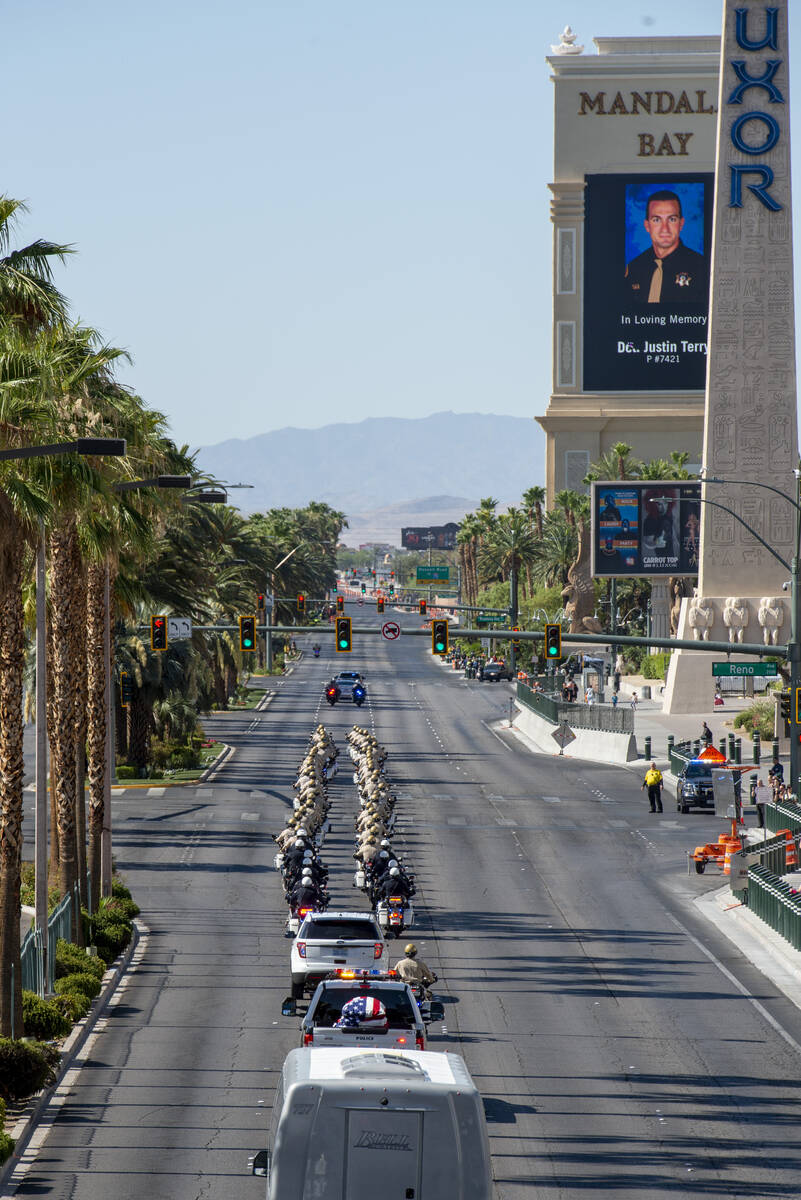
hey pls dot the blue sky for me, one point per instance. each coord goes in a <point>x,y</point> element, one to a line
<point>295,212</point>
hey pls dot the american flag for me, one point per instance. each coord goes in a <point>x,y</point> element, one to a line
<point>362,1011</point>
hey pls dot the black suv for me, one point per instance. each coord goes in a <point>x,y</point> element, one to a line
<point>694,788</point>
<point>494,672</point>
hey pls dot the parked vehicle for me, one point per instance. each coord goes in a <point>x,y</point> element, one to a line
<point>350,1124</point>
<point>494,672</point>
<point>694,787</point>
<point>326,941</point>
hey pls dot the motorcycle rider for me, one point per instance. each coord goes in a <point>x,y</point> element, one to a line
<point>413,970</point>
<point>393,883</point>
<point>332,683</point>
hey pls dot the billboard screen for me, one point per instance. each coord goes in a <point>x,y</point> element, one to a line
<point>647,250</point>
<point>438,537</point>
<point>645,528</point>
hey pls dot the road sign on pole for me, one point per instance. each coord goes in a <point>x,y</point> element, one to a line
<point>563,735</point>
<point>390,630</point>
<point>753,670</point>
<point>179,629</point>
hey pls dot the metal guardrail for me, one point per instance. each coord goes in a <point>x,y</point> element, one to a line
<point>605,718</point>
<point>782,816</point>
<point>59,925</point>
<point>680,755</point>
<point>770,899</point>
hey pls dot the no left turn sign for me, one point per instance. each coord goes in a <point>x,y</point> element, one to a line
<point>390,631</point>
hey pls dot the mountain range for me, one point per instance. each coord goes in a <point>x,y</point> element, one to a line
<point>385,472</point>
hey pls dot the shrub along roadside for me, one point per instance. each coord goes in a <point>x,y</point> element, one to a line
<point>26,1066</point>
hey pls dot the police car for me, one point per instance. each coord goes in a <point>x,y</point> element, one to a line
<point>329,940</point>
<point>365,1008</point>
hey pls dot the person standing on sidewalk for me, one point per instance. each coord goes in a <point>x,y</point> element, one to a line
<point>762,795</point>
<point>653,781</point>
<point>706,734</point>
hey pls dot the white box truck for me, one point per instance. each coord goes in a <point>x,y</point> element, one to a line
<point>352,1124</point>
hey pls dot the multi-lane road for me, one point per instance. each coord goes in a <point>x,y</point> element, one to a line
<point>613,1033</point>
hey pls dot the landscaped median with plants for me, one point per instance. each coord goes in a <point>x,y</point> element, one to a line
<point>30,1063</point>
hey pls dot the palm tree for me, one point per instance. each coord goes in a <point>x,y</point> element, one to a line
<point>617,463</point>
<point>28,301</point>
<point>534,498</point>
<point>510,545</point>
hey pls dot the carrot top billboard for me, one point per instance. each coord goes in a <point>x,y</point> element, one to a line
<point>645,528</point>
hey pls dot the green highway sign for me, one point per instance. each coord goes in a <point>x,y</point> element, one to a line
<point>433,574</point>
<point>748,670</point>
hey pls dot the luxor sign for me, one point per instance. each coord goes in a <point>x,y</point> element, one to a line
<point>755,133</point>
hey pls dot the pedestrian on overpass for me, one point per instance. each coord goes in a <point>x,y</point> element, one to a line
<point>762,795</point>
<point>706,734</point>
<point>653,782</point>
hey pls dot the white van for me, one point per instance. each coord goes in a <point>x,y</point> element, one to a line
<point>352,1124</point>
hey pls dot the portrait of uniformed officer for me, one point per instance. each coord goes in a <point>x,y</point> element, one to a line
<point>668,272</point>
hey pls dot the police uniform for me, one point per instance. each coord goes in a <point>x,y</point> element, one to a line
<point>414,970</point>
<point>685,276</point>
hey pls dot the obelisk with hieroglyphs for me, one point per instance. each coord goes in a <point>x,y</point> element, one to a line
<point>750,430</point>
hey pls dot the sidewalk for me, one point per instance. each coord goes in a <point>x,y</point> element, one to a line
<point>650,721</point>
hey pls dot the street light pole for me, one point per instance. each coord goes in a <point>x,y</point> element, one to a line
<point>793,644</point>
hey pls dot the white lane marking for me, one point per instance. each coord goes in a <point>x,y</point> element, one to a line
<point>156,791</point>
<point>250,816</point>
<point>552,799</point>
<point>497,738</point>
<point>741,988</point>
<point>618,824</point>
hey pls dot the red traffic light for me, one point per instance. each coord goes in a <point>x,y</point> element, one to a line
<point>340,603</point>
<point>301,602</point>
<point>422,608</point>
<point>158,633</point>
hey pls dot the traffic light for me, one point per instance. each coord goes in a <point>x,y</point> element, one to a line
<point>364,588</point>
<point>439,637</point>
<point>392,574</point>
<point>515,641</point>
<point>158,633</point>
<point>422,608</point>
<point>343,642</point>
<point>798,706</point>
<point>785,707</point>
<point>553,642</point>
<point>340,603</point>
<point>301,603</point>
<point>392,589</point>
<point>247,633</point>
<point>261,604</point>
<point>379,604</point>
<point>126,689</point>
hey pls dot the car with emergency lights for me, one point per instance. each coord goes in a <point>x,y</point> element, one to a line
<point>330,940</point>
<point>346,681</point>
<point>365,1008</point>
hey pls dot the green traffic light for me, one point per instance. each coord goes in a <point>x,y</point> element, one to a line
<point>343,643</point>
<point>440,645</point>
<point>247,643</point>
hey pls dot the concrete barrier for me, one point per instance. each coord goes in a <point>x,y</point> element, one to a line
<point>589,743</point>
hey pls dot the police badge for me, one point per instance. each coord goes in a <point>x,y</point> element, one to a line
<point>683,279</point>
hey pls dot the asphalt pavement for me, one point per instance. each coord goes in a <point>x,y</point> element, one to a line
<point>622,1044</point>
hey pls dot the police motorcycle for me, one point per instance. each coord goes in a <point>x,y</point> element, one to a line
<point>359,694</point>
<point>394,914</point>
<point>332,694</point>
<point>316,650</point>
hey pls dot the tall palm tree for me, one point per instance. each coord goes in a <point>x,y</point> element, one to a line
<point>510,545</point>
<point>28,302</point>
<point>534,498</point>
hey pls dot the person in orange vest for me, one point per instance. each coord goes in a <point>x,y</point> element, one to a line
<point>653,781</point>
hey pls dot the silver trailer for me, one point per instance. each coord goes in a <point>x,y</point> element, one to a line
<point>352,1124</point>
